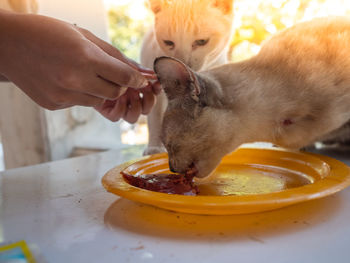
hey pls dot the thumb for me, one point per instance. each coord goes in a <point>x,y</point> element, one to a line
<point>118,72</point>
<point>114,52</point>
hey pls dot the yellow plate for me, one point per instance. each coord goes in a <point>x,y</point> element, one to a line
<point>248,180</point>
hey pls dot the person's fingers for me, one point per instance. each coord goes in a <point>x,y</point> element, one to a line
<point>66,99</point>
<point>143,69</point>
<point>75,98</point>
<point>119,110</point>
<point>109,49</point>
<point>148,100</point>
<point>149,76</point>
<point>114,52</point>
<point>157,87</point>
<point>106,107</point>
<point>113,110</point>
<point>134,106</point>
<point>139,67</point>
<point>129,106</point>
<point>102,88</point>
<point>116,71</point>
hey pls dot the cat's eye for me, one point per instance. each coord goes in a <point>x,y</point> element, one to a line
<point>201,42</point>
<point>169,43</point>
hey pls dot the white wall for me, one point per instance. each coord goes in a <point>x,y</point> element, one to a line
<point>89,14</point>
<point>79,126</point>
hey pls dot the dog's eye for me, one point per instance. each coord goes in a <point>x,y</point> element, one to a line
<point>201,42</point>
<point>169,43</point>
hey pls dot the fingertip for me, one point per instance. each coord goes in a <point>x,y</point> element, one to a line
<point>120,73</point>
<point>131,121</point>
<point>149,75</point>
<point>157,88</point>
<point>148,101</point>
<point>122,91</point>
<point>118,111</point>
<point>114,119</point>
<point>138,81</point>
<point>141,68</point>
<point>134,108</point>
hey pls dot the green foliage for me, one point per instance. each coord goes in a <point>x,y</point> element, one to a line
<point>266,18</point>
<point>126,33</point>
<point>255,21</point>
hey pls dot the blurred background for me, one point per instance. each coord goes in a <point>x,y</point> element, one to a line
<point>78,131</point>
<point>254,22</point>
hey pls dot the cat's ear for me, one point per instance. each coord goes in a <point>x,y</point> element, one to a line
<point>155,5</point>
<point>177,79</point>
<point>226,6</point>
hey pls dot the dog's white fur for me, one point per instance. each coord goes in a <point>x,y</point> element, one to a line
<point>184,22</point>
<point>294,92</point>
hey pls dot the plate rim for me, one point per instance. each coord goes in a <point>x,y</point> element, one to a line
<point>337,179</point>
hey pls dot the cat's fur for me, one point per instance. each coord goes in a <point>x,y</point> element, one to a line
<point>294,92</point>
<point>184,22</point>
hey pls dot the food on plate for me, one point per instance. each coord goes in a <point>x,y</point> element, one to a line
<point>181,184</point>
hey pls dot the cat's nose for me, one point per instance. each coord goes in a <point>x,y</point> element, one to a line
<point>171,167</point>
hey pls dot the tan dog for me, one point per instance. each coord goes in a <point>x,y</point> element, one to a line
<point>294,92</point>
<point>197,32</point>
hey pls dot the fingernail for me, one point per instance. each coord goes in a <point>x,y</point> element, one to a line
<point>138,81</point>
<point>122,91</point>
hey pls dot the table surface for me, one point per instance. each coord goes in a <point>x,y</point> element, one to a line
<point>62,211</point>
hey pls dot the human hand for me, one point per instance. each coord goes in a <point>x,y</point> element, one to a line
<point>132,104</point>
<point>59,65</point>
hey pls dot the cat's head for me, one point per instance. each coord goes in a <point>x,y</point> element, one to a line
<point>193,31</point>
<point>191,130</point>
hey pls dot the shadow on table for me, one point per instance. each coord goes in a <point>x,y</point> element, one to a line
<point>148,220</point>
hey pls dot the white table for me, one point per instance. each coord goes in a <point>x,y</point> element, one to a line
<point>62,209</point>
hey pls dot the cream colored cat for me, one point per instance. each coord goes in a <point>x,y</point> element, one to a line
<point>197,32</point>
<point>294,92</point>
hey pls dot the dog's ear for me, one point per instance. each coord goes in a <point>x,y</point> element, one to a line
<point>226,6</point>
<point>178,80</point>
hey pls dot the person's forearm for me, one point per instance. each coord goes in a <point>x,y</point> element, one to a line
<point>59,65</point>
<point>2,39</point>
<point>7,28</point>
<point>3,78</point>
<point>10,25</point>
